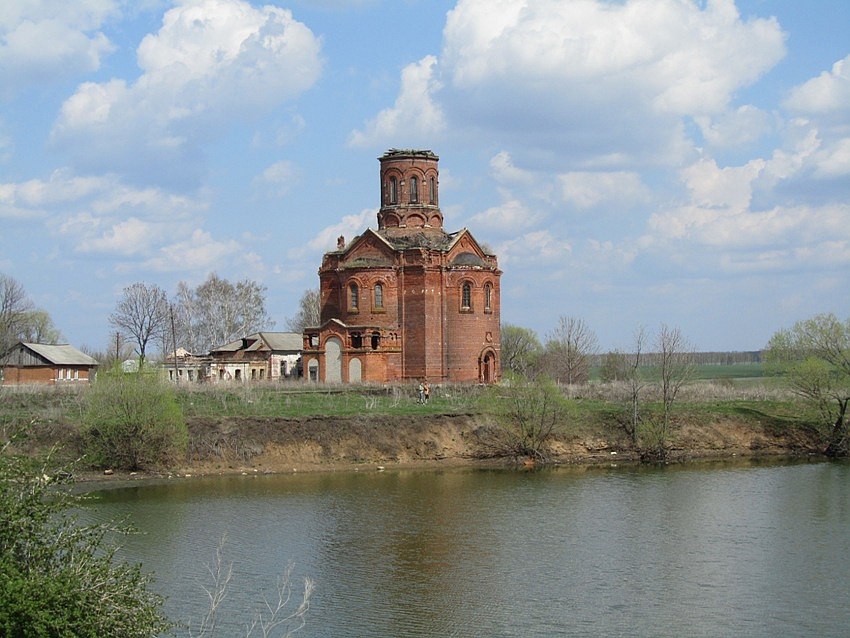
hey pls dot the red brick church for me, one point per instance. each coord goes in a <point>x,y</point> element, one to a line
<point>409,300</point>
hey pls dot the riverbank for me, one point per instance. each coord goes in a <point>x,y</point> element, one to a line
<point>229,445</point>
<point>266,430</point>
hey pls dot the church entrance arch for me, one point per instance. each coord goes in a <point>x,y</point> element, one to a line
<point>487,365</point>
<point>333,360</point>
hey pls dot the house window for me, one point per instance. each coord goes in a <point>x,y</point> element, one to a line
<point>379,296</point>
<point>432,191</point>
<point>353,297</point>
<point>414,190</point>
<point>356,340</point>
<point>376,340</point>
<point>488,293</point>
<point>466,296</point>
<point>393,190</point>
<point>238,374</point>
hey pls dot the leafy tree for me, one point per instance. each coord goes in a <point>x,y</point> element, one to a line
<point>218,312</point>
<point>814,356</point>
<point>59,578</point>
<point>614,367</point>
<point>568,351</point>
<point>38,328</point>
<point>141,315</point>
<point>133,422</point>
<point>520,349</point>
<point>309,311</point>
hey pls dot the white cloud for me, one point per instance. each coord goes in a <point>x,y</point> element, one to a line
<point>276,180</point>
<point>508,217</point>
<point>45,41</point>
<point>534,248</point>
<point>735,128</point>
<point>714,187</point>
<point>325,240</point>
<point>586,189</point>
<point>199,252</point>
<point>414,118</point>
<point>829,93</point>
<point>212,61</point>
<point>129,237</point>
<point>558,75</point>
<point>504,170</point>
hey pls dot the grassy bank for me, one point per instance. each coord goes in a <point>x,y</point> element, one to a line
<point>285,427</point>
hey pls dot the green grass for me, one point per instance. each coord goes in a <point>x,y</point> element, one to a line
<point>301,401</point>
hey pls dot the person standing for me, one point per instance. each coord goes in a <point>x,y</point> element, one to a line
<point>426,391</point>
<point>421,392</point>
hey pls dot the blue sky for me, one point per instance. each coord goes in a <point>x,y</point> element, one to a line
<point>631,162</point>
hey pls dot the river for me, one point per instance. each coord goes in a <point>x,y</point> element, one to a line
<point>690,550</point>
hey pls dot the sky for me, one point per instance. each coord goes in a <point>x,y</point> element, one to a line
<point>631,162</point>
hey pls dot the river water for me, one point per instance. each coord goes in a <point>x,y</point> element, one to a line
<point>700,550</point>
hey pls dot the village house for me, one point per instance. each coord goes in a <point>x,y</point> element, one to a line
<point>407,301</point>
<point>261,356</point>
<point>186,366</point>
<point>40,363</point>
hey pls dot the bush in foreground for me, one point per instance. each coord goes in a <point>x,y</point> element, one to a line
<point>59,578</point>
<point>133,421</point>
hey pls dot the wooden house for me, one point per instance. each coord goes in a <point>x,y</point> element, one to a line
<point>27,363</point>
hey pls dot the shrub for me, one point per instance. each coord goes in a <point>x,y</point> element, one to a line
<point>530,415</point>
<point>58,578</point>
<point>133,421</point>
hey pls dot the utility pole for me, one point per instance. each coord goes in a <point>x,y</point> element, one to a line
<point>174,343</point>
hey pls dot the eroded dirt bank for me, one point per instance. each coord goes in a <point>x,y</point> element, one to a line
<point>228,445</point>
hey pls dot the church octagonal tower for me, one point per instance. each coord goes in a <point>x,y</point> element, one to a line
<point>409,192</point>
<point>408,300</point>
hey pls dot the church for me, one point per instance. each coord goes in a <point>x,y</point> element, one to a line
<point>407,301</point>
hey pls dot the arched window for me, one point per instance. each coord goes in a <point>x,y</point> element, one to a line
<point>393,190</point>
<point>466,296</point>
<point>432,191</point>
<point>353,297</point>
<point>414,190</point>
<point>488,293</point>
<point>379,296</point>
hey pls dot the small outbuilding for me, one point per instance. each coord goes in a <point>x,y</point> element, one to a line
<point>27,363</point>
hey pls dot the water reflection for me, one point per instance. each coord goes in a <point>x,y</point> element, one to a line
<point>698,551</point>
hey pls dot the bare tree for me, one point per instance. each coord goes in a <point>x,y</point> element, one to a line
<point>569,349</point>
<point>14,306</point>
<point>141,315</point>
<point>675,368</point>
<point>520,349</point>
<point>218,311</point>
<point>635,382</point>
<point>530,415</point>
<point>281,617</point>
<point>309,311</point>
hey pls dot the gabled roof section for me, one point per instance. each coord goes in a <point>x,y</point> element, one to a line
<point>357,253</point>
<point>463,242</point>
<point>275,341</point>
<point>283,340</point>
<point>60,355</point>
